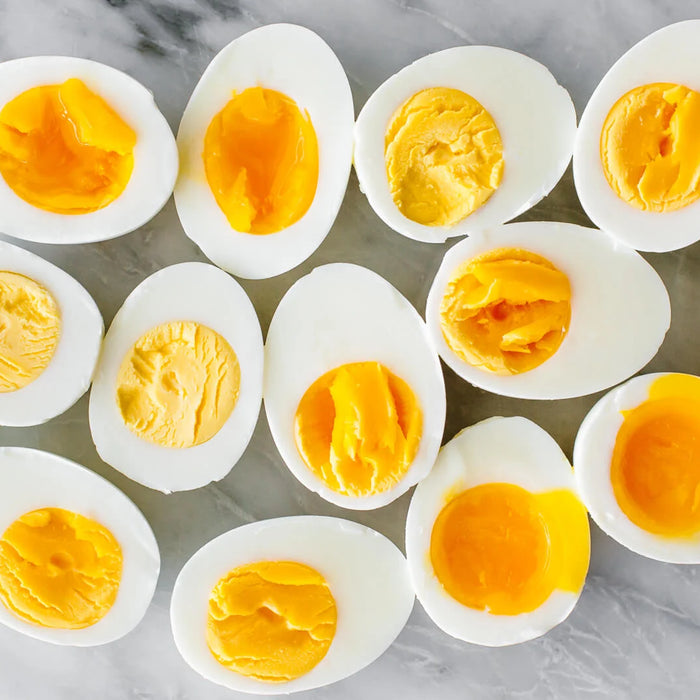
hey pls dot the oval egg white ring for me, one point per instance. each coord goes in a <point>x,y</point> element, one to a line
<point>534,115</point>
<point>69,373</point>
<point>338,314</point>
<point>32,479</point>
<point>620,310</point>
<point>298,63</point>
<point>184,292</point>
<point>365,572</point>
<point>155,154</point>
<point>670,55</point>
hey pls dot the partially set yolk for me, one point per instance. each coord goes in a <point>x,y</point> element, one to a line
<point>443,156</point>
<point>261,161</point>
<point>271,620</point>
<point>178,384</point>
<point>59,569</point>
<point>64,149</point>
<point>500,548</point>
<point>650,147</point>
<point>506,311</point>
<point>358,428</point>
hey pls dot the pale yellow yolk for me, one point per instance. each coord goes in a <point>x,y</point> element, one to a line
<point>444,156</point>
<point>655,469</point>
<point>358,428</point>
<point>178,384</point>
<point>272,620</point>
<point>499,548</point>
<point>650,147</point>
<point>261,161</point>
<point>59,569</point>
<point>30,326</point>
<point>506,311</point>
<point>64,149</point>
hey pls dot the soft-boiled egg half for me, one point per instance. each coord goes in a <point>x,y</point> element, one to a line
<point>497,540</point>
<point>50,337</point>
<point>637,467</point>
<point>637,155</point>
<point>178,387</point>
<point>354,392</point>
<point>266,147</point>
<point>85,154</point>
<point>461,140</point>
<point>290,604</point>
<point>78,561</point>
<point>545,310</point>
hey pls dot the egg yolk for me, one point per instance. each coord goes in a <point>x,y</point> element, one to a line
<point>358,428</point>
<point>261,161</point>
<point>650,147</point>
<point>655,468</point>
<point>506,311</point>
<point>64,149</point>
<point>271,620</point>
<point>30,326</point>
<point>59,569</point>
<point>443,156</point>
<point>178,384</point>
<point>499,548</point>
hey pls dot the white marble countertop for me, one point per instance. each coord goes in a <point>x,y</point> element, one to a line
<point>636,630</point>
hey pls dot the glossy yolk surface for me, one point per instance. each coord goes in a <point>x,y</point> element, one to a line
<point>443,155</point>
<point>358,428</point>
<point>650,147</point>
<point>64,149</point>
<point>272,620</point>
<point>178,384</point>
<point>261,161</point>
<point>59,569</point>
<point>506,311</point>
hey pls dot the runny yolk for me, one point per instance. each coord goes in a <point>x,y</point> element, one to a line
<point>271,620</point>
<point>506,311</point>
<point>64,149</point>
<point>499,548</point>
<point>358,428</point>
<point>261,161</point>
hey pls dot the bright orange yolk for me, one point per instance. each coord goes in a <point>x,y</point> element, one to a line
<point>655,470</point>
<point>499,548</point>
<point>261,161</point>
<point>358,428</point>
<point>64,149</point>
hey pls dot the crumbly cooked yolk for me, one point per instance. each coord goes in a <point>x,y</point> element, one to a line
<point>271,620</point>
<point>499,548</point>
<point>506,311</point>
<point>30,326</point>
<point>443,155</point>
<point>655,469</point>
<point>64,149</point>
<point>650,147</point>
<point>358,428</point>
<point>59,569</point>
<point>178,384</point>
<point>261,161</point>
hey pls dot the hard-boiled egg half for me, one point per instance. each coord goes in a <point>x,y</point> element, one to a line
<point>178,387</point>
<point>354,393</point>
<point>85,155</point>
<point>78,561</point>
<point>497,540</point>
<point>637,155</point>
<point>290,604</point>
<point>266,147</point>
<point>461,140</point>
<point>545,310</point>
<point>50,337</point>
